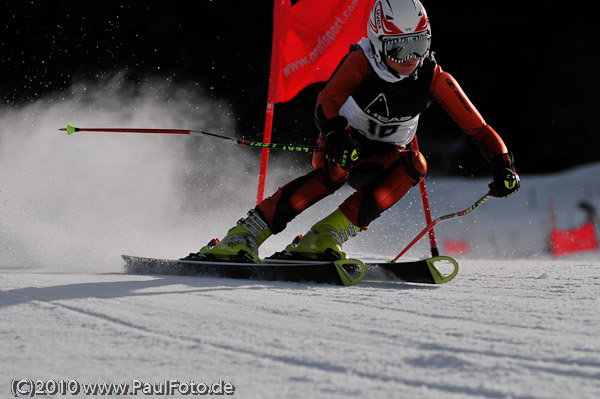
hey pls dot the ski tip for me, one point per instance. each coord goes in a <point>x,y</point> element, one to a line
<point>351,271</point>
<point>438,276</point>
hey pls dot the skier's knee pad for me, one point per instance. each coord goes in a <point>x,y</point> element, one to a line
<point>416,166</point>
<point>332,176</point>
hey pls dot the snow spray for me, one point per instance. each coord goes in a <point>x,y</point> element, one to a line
<point>77,203</point>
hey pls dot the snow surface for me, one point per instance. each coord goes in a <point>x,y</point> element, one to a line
<point>514,323</point>
<point>521,329</point>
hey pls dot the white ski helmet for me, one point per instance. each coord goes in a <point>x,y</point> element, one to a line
<point>399,30</point>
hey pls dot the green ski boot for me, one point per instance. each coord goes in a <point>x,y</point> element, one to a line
<point>241,242</point>
<point>324,240</point>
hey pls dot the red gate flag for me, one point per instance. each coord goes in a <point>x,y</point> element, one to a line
<point>580,239</point>
<point>309,41</point>
<point>456,247</point>
<point>315,36</point>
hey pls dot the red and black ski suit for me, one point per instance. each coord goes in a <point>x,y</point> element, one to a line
<point>387,110</point>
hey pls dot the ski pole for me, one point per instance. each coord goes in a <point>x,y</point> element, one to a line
<point>441,219</point>
<point>426,208</point>
<point>256,144</point>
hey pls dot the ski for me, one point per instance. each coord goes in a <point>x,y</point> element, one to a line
<point>425,271</point>
<point>341,272</point>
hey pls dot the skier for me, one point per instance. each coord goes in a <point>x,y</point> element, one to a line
<point>367,115</point>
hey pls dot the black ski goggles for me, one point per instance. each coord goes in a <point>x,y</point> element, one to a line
<point>405,47</point>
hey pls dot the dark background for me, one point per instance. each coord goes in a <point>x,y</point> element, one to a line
<point>529,69</point>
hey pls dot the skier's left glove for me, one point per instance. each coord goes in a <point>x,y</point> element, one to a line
<point>506,180</point>
<point>340,147</point>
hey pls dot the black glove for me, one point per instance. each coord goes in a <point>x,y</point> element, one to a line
<point>340,147</point>
<point>506,180</point>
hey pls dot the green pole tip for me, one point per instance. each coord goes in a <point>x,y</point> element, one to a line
<point>70,129</point>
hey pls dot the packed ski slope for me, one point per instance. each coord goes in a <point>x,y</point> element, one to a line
<point>502,329</point>
<point>514,323</point>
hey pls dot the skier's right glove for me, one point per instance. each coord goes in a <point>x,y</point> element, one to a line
<point>340,147</point>
<point>506,180</point>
